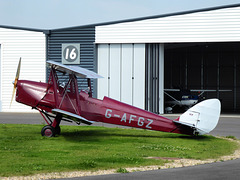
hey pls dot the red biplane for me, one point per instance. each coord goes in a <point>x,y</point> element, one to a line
<point>56,101</point>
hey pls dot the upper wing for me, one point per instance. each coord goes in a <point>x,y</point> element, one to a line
<point>78,71</point>
<point>72,116</point>
<point>173,90</point>
<point>209,90</point>
<point>200,90</point>
<point>203,90</point>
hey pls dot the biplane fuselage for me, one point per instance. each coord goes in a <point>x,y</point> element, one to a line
<point>38,95</point>
<point>64,102</point>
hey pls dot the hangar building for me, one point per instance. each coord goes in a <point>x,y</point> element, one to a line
<point>194,49</point>
<point>140,57</point>
<point>29,44</point>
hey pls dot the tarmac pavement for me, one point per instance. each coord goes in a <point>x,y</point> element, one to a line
<point>229,125</point>
<point>215,171</point>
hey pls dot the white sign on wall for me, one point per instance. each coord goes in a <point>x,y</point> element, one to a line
<point>70,53</point>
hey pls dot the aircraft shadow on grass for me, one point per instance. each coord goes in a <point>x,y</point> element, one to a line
<point>98,135</point>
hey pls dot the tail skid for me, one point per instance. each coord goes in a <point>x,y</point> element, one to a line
<point>203,117</point>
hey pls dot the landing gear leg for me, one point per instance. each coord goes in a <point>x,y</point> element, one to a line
<point>58,130</point>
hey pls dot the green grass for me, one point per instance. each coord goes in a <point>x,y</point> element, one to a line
<point>122,170</point>
<point>23,151</point>
<point>231,137</point>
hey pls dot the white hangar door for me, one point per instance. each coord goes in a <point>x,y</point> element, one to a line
<point>123,69</point>
<point>154,70</point>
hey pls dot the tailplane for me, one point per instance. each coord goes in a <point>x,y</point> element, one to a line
<point>203,117</point>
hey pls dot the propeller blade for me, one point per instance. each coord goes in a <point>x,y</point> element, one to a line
<point>16,80</point>
<point>18,73</point>
<point>14,89</point>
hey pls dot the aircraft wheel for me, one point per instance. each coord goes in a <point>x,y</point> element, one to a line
<point>58,130</point>
<point>48,131</point>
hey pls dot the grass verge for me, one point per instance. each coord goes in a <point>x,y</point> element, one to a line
<point>25,152</point>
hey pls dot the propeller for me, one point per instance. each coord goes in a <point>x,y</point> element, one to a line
<point>16,80</point>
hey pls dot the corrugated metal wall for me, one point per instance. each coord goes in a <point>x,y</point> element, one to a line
<point>16,43</point>
<point>85,36</point>
<point>0,78</point>
<point>219,25</point>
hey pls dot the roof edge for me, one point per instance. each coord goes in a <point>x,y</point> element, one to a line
<point>151,17</point>
<point>23,28</point>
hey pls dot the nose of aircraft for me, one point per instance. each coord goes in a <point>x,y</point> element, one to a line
<point>16,80</point>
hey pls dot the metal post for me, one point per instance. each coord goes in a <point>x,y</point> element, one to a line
<point>146,76</point>
<point>218,75</point>
<point>235,85</point>
<point>76,93</point>
<point>186,70</point>
<point>161,79</point>
<point>89,87</point>
<point>54,81</point>
<point>202,72</point>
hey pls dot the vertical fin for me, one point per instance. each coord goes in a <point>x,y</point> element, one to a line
<point>203,116</point>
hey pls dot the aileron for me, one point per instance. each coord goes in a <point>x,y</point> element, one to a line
<point>72,116</point>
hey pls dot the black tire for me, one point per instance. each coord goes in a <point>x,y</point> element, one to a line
<point>48,131</point>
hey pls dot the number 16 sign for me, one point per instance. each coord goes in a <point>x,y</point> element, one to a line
<point>70,53</point>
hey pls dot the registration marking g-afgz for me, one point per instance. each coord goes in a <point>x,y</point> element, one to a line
<point>141,121</point>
